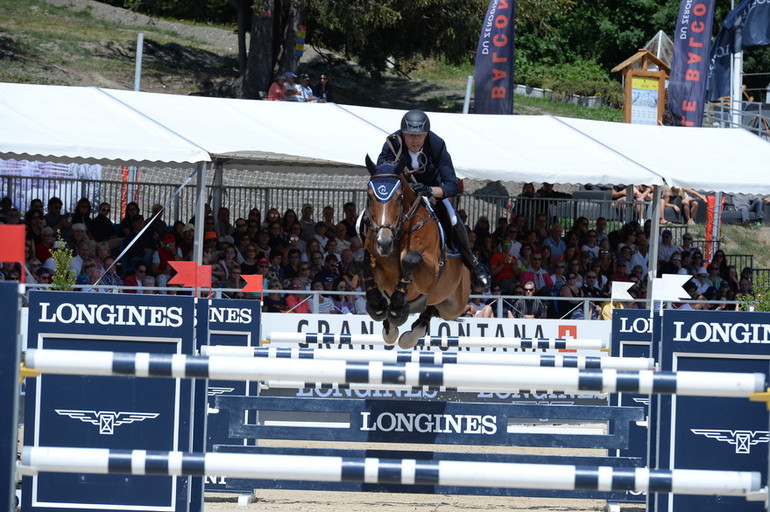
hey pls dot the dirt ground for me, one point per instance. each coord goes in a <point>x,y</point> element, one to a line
<point>317,501</point>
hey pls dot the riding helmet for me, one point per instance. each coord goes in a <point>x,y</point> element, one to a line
<point>415,122</point>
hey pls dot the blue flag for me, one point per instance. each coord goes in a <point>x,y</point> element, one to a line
<point>756,24</point>
<point>690,62</point>
<point>494,60</point>
<point>719,65</point>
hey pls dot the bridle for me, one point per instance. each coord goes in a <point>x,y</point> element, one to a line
<point>403,218</point>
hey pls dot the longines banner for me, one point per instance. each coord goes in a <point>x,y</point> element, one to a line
<point>108,412</point>
<point>713,433</point>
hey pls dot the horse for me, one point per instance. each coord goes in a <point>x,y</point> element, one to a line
<point>404,264</point>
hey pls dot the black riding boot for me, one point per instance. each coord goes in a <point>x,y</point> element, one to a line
<point>480,277</point>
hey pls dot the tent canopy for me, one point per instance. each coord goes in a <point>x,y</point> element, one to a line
<point>100,125</point>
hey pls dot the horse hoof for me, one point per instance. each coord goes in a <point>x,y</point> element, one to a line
<point>390,335</point>
<point>377,315</point>
<point>399,316</point>
<point>408,339</point>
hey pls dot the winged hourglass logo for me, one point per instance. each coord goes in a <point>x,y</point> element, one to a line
<point>107,421</point>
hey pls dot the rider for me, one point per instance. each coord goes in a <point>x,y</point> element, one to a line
<point>425,153</point>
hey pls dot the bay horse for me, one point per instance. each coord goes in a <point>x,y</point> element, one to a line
<point>404,264</point>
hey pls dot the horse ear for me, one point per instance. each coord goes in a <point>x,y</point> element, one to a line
<point>370,165</point>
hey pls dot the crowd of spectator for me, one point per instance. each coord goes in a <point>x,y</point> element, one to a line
<point>286,87</point>
<point>530,258</point>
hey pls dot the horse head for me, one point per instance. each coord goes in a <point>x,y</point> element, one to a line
<point>388,193</point>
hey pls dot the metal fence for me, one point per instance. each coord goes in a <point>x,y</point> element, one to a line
<point>241,199</point>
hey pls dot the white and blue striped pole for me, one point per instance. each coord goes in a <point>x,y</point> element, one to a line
<point>440,341</point>
<point>389,471</point>
<point>434,357</point>
<point>85,362</point>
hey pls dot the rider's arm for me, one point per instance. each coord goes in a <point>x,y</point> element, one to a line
<point>446,170</point>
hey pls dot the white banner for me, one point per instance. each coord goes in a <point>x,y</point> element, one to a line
<point>492,327</point>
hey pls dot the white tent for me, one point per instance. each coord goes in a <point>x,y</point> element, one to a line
<point>122,127</point>
<point>91,124</point>
<point>39,122</point>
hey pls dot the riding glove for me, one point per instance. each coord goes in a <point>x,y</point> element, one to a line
<point>421,189</point>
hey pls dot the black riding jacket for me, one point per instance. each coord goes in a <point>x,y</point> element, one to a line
<point>439,171</point>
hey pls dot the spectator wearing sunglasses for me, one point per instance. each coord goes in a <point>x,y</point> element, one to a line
<point>529,307</point>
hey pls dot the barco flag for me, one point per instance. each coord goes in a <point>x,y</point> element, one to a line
<point>494,60</point>
<point>690,62</point>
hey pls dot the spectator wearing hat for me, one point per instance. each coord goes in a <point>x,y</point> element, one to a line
<point>78,233</point>
<point>168,251</point>
<point>187,242</point>
<point>292,87</point>
<point>305,91</point>
<point>263,267</point>
<point>210,240</point>
<point>700,280</point>
<point>81,281</point>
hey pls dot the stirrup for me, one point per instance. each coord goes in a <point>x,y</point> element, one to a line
<point>480,277</point>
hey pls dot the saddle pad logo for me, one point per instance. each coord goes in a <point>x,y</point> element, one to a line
<point>743,440</point>
<point>107,421</point>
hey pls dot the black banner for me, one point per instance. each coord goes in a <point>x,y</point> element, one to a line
<point>494,60</point>
<point>690,61</point>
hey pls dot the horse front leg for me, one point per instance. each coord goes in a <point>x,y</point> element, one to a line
<point>419,328</point>
<point>399,307</point>
<point>376,303</point>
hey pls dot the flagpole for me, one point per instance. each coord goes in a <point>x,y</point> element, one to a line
<point>737,88</point>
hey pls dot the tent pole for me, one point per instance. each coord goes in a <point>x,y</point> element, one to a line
<point>216,185</point>
<point>652,266</point>
<point>200,214</point>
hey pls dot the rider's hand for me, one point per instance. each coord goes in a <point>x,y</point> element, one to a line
<point>421,189</point>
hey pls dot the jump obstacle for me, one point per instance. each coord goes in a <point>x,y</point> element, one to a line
<point>440,341</point>
<point>385,470</point>
<point>404,472</point>
<point>435,357</point>
<point>143,364</point>
<point>374,470</point>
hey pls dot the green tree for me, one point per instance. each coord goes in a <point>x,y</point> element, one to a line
<point>63,277</point>
<point>759,299</point>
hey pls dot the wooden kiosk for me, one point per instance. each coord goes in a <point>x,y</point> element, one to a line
<point>644,80</point>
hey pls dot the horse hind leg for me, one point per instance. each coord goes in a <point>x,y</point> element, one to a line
<point>376,303</point>
<point>419,328</point>
<point>399,307</point>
